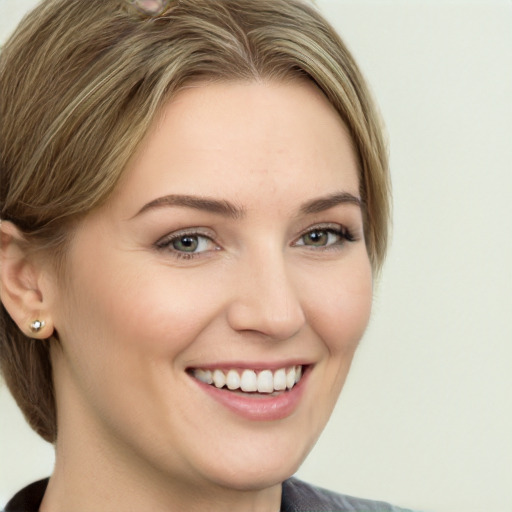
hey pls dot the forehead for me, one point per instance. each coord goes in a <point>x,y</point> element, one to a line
<point>217,139</point>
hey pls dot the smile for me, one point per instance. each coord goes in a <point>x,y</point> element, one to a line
<point>251,381</point>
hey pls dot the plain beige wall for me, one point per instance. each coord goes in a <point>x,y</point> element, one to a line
<point>425,419</point>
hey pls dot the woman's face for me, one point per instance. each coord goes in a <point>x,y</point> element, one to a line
<point>232,250</point>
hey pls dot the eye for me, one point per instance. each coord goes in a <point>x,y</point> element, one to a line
<point>319,238</point>
<point>190,243</point>
<point>324,237</point>
<point>187,245</point>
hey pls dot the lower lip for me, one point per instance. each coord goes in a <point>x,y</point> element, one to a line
<point>260,407</point>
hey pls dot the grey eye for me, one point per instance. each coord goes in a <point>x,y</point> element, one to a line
<point>186,243</point>
<point>317,238</point>
<point>321,237</point>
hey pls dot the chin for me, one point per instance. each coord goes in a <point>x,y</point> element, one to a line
<point>258,467</point>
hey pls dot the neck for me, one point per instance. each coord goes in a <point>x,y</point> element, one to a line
<point>90,475</point>
<point>99,468</point>
<point>62,496</point>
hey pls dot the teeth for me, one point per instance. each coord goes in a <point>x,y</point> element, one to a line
<point>265,382</point>
<point>290,378</point>
<point>219,379</point>
<point>204,376</point>
<point>280,380</point>
<point>250,381</point>
<point>233,380</point>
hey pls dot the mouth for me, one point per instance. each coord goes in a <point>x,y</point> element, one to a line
<point>249,381</point>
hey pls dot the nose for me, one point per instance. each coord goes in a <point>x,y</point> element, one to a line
<point>265,300</point>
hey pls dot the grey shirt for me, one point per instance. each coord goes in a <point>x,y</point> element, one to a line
<point>297,497</point>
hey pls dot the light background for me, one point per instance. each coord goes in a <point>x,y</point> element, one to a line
<point>425,420</point>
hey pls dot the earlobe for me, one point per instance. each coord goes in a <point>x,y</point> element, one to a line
<point>20,284</point>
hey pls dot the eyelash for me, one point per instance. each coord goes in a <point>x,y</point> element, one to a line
<point>167,241</point>
<point>341,232</point>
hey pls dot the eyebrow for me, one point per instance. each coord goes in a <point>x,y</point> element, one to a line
<point>220,207</point>
<point>325,203</point>
<point>228,209</point>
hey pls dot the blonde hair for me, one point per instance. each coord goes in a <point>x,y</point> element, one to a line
<point>80,84</point>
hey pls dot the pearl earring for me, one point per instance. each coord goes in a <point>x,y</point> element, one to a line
<point>37,325</point>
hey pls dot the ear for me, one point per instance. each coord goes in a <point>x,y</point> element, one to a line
<point>22,289</point>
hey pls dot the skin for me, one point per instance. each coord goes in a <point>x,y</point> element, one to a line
<point>136,432</point>
<point>150,6</point>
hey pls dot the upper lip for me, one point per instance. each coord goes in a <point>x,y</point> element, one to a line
<point>253,365</point>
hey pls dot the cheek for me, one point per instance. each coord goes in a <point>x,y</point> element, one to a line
<point>142,314</point>
<point>340,310</point>
<point>122,334</point>
<point>135,326</point>
<point>164,311</point>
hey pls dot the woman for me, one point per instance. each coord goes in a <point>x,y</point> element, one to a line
<point>194,206</point>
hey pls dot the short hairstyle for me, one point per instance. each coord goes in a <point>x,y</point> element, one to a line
<point>82,81</point>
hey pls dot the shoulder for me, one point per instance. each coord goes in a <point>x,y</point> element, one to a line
<point>28,499</point>
<point>297,496</point>
<point>302,497</point>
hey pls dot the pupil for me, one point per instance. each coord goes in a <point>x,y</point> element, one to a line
<point>317,237</point>
<point>186,243</point>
